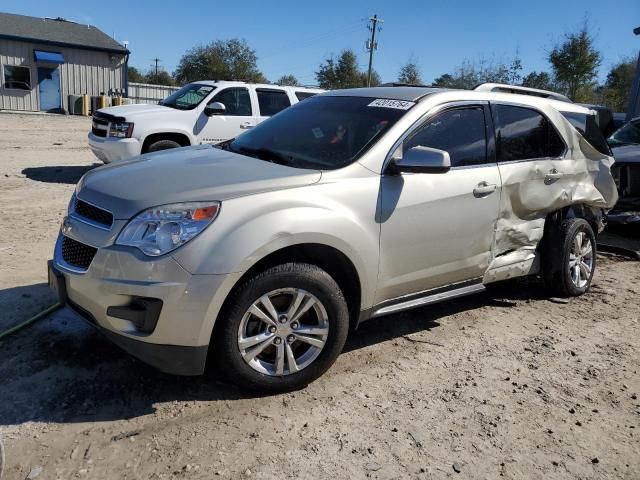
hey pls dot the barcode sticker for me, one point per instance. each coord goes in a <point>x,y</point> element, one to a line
<point>386,103</point>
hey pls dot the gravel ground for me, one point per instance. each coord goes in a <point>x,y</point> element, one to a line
<point>502,384</point>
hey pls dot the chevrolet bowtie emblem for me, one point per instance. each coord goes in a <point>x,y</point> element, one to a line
<point>66,226</point>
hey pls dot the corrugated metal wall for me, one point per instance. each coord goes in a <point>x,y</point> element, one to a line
<point>147,93</point>
<point>83,72</point>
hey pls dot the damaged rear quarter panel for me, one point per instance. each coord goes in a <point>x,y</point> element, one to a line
<point>529,194</point>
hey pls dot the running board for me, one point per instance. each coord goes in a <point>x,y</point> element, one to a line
<point>427,299</point>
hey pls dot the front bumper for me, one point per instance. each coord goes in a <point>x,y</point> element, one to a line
<point>109,149</point>
<point>120,276</point>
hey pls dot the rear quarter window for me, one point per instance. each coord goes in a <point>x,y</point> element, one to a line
<point>304,95</point>
<point>588,128</point>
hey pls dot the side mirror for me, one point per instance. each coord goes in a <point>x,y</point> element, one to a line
<point>421,160</point>
<point>214,108</point>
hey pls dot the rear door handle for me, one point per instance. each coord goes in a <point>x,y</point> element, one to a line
<point>246,125</point>
<point>483,189</point>
<point>552,176</point>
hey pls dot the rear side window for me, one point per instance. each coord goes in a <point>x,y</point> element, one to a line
<point>461,132</point>
<point>272,101</point>
<point>589,129</point>
<point>523,134</point>
<point>236,100</point>
<point>303,95</point>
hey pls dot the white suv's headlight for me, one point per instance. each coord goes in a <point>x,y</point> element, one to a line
<point>121,129</point>
<point>159,230</point>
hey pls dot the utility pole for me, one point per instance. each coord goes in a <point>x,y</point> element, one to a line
<point>634,99</point>
<point>371,44</point>
<point>156,60</point>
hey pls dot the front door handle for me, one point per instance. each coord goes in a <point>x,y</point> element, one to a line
<point>553,176</point>
<point>246,125</point>
<point>483,189</point>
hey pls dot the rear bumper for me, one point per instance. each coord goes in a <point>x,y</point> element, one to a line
<point>113,149</point>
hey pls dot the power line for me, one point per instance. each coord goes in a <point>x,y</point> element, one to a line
<point>292,45</point>
<point>372,44</point>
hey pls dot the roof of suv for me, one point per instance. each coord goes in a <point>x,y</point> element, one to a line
<point>415,94</point>
<point>214,83</point>
<point>409,94</point>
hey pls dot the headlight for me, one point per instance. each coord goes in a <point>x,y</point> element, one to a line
<point>159,230</point>
<point>121,129</point>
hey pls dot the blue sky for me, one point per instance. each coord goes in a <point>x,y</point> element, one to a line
<point>294,37</point>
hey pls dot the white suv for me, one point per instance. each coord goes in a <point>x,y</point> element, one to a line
<point>200,112</point>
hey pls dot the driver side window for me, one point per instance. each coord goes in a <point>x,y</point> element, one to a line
<point>459,131</point>
<point>236,101</point>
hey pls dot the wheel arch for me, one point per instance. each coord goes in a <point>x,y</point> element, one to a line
<point>179,137</point>
<point>336,263</point>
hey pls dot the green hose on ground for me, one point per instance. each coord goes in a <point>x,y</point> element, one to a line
<point>33,319</point>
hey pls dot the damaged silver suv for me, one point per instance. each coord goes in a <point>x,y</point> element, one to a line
<point>262,253</point>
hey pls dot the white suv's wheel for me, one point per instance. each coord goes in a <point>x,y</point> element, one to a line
<point>282,329</point>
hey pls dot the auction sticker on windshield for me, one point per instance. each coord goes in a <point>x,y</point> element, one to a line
<point>386,103</point>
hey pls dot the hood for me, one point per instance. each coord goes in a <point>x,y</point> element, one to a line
<point>131,111</point>
<point>627,154</point>
<point>191,174</point>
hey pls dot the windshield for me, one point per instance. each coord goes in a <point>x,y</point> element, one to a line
<point>323,132</point>
<point>188,97</point>
<point>628,134</point>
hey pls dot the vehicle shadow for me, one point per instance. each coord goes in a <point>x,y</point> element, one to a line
<point>61,370</point>
<point>70,174</point>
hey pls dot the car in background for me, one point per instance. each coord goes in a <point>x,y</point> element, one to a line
<point>625,144</point>
<point>200,112</point>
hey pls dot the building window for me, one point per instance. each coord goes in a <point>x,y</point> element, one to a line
<point>17,78</point>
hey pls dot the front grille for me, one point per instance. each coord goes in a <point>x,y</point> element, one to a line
<point>99,126</point>
<point>77,254</point>
<point>93,213</point>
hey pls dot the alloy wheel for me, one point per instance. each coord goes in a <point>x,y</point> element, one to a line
<point>283,331</point>
<point>581,260</point>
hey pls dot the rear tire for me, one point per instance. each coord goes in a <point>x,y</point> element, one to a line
<point>162,145</point>
<point>570,258</point>
<point>263,315</point>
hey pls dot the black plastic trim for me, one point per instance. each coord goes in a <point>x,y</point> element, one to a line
<point>143,312</point>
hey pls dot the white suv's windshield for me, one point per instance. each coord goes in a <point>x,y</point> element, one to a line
<point>322,132</point>
<point>188,97</point>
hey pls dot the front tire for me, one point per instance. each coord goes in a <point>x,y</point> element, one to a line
<point>162,145</point>
<point>282,329</point>
<point>571,259</point>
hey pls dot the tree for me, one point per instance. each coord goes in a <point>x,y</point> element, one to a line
<point>288,80</point>
<point>617,87</point>
<point>575,64</point>
<point>134,75</point>
<point>220,60</point>
<point>162,78</point>
<point>471,73</point>
<point>541,80</point>
<point>343,72</point>
<point>410,74</point>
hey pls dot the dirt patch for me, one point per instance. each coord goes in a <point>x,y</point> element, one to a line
<point>505,383</point>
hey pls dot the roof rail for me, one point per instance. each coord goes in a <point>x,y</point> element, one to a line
<point>505,88</point>
<point>402,84</point>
